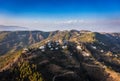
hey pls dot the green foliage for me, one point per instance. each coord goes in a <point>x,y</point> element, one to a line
<point>87,37</point>
<point>67,36</point>
<point>28,72</point>
<point>23,71</point>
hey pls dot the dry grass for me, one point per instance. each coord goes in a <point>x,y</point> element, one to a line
<point>113,74</point>
<point>8,59</point>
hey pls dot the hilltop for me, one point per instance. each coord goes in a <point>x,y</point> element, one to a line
<point>63,55</point>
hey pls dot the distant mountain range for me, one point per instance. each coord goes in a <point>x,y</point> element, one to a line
<point>12,28</point>
<point>59,56</point>
<point>16,40</point>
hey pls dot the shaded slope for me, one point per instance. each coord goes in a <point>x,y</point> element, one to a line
<point>70,55</point>
<point>12,41</point>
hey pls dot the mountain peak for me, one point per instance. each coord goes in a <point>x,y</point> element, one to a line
<point>66,55</point>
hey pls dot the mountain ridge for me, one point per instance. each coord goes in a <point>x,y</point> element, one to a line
<point>26,38</point>
<point>62,55</point>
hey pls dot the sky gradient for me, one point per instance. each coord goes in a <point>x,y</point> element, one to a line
<point>48,15</point>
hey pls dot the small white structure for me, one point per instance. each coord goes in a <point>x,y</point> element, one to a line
<point>102,51</point>
<point>79,47</point>
<point>94,47</point>
<point>64,47</point>
<point>49,46</point>
<point>86,54</point>
<point>51,49</point>
<point>49,43</point>
<point>48,40</point>
<point>25,49</point>
<point>116,55</point>
<point>56,48</point>
<point>104,66</point>
<point>42,47</point>
<point>43,50</point>
<point>109,53</point>
<point>57,43</point>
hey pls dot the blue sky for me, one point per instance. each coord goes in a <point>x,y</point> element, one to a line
<point>96,15</point>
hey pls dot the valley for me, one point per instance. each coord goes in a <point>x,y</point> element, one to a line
<point>59,56</point>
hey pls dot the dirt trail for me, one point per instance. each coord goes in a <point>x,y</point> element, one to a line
<point>113,74</point>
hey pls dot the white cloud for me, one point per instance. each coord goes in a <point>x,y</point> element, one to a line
<point>72,21</point>
<point>93,24</point>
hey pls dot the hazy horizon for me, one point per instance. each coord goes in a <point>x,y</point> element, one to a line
<point>51,15</point>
